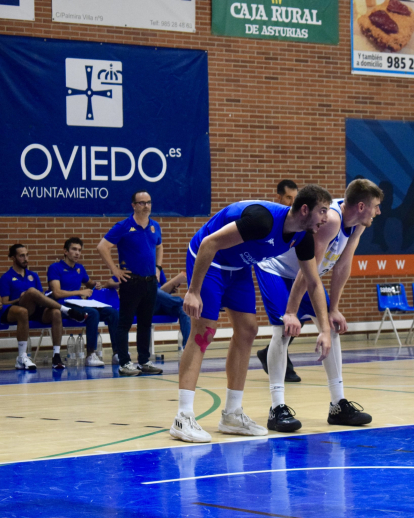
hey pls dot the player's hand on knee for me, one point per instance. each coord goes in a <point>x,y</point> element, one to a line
<point>193,305</point>
<point>338,322</point>
<point>323,345</point>
<point>292,324</point>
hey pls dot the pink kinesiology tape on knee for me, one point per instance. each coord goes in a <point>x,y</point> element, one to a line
<point>204,341</point>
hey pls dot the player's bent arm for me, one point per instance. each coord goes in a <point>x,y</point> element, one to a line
<point>321,241</point>
<point>342,269</point>
<point>58,293</point>
<point>226,237</point>
<point>316,292</point>
<point>173,283</point>
<point>318,299</point>
<point>6,300</point>
<point>104,249</point>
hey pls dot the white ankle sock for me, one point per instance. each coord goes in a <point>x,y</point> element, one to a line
<point>64,310</point>
<point>185,400</point>
<point>22,346</point>
<point>276,363</point>
<point>56,349</point>
<point>233,400</point>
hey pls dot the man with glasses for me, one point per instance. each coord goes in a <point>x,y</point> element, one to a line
<point>138,239</point>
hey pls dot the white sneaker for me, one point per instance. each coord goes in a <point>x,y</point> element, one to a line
<point>93,361</point>
<point>115,359</point>
<point>239,423</point>
<point>24,363</point>
<point>186,428</point>
<point>129,369</point>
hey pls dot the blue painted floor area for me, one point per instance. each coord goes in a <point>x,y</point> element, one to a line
<point>46,374</point>
<point>354,474</point>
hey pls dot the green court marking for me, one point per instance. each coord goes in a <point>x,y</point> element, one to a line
<point>213,408</point>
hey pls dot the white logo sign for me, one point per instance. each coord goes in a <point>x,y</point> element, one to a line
<point>94,93</point>
<point>271,242</point>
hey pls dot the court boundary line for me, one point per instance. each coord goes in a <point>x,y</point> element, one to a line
<point>219,475</point>
<point>193,445</point>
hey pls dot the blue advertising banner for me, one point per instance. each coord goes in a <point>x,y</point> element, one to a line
<point>84,125</point>
<point>383,152</point>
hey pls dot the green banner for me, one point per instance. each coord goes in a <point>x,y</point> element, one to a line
<point>307,21</point>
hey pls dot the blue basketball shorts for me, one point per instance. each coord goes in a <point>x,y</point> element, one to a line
<point>232,289</point>
<point>275,291</point>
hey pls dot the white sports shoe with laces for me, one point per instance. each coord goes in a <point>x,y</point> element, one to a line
<point>24,363</point>
<point>93,361</point>
<point>186,428</point>
<point>239,423</point>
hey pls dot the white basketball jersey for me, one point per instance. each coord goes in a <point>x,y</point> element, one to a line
<point>287,264</point>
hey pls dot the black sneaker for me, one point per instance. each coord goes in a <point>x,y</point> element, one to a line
<point>292,377</point>
<point>74,314</point>
<point>262,355</point>
<point>346,413</point>
<point>281,419</point>
<point>57,362</point>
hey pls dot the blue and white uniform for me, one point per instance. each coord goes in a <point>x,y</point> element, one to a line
<point>228,282</point>
<point>275,276</point>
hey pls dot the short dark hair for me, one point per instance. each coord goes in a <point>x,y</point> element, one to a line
<point>13,249</point>
<point>311,195</point>
<point>281,186</point>
<point>138,192</point>
<point>363,190</point>
<point>72,241</point>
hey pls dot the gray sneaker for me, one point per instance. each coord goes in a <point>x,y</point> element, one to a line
<point>150,368</point>
<point>129,369</point>
<point>239,423</point>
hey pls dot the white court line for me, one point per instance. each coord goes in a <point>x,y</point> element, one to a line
<point>200,445</point>
<point>272,471</point>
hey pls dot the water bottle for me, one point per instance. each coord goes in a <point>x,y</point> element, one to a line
<point>29,347</point>
<point>71,350</point>
<point>180,346</point>
<point>80,349</point>
<point>99,346</point>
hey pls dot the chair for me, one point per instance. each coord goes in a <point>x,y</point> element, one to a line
<point>411,331</point>
<point>105,295</point>
<point>392,299</point>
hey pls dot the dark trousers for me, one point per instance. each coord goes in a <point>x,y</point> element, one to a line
<point>137,298</point>
<point>95,315</point>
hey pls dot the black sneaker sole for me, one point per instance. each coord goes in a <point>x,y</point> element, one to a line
<point>284,427</point>
<point>293,379</point>
<point>355,421</point>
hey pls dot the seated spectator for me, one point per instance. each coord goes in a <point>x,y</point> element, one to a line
<point>21,293</point>
<point>65,280</point>
<point>166,303</point>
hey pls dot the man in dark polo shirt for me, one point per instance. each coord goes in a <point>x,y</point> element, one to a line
<point>138,239</point>
<point>65,280</point>
<point>22,294</point>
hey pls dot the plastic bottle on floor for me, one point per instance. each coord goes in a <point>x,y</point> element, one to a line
<point>71,350</point>
<point>80,350</point>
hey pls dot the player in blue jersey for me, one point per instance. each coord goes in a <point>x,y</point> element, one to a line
<point>22,294</point>
<point>335,245</point>
<point>219,261</point>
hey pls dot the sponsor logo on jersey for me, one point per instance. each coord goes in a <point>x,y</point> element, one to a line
<point>30,277</point>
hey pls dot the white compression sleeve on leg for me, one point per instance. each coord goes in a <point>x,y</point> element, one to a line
<point>333,367</point>
<point>276,362</point>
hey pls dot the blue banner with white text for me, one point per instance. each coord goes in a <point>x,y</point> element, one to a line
<point>85,125</point>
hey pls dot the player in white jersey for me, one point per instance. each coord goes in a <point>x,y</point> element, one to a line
<point>335,245</point>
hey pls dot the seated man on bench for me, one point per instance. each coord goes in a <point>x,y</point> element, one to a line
<point>22,295</point>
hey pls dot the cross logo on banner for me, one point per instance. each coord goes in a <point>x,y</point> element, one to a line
<point>89,101</point>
